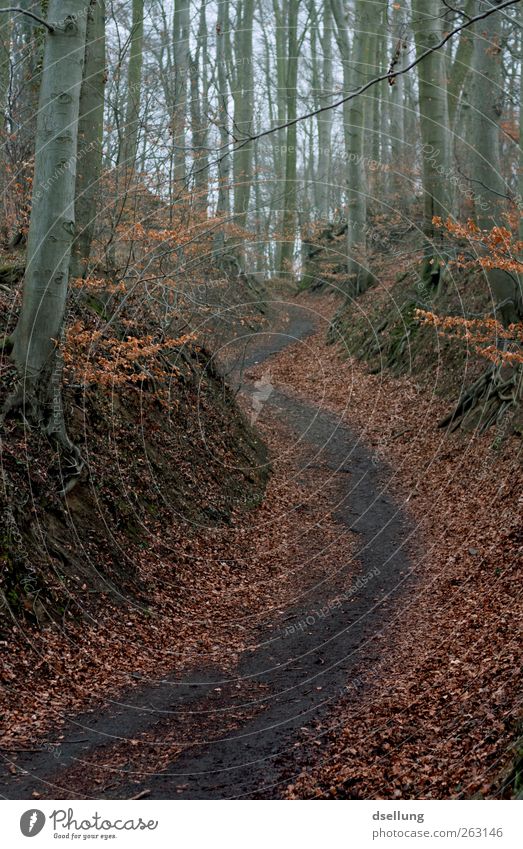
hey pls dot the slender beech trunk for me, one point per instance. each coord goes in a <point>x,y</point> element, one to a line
<point>281,109</point>
<point>224,163</point>
<point>258,210</point>
<point>356,184</point>
<point>5,58</point>
<point>39,329</point>
<point>355,70</point>
<point>344,49</point>
<point>129,133</point>
<point>376,148</point>
<point>199,115</point>
<point>316,94</point>
<point>90,130</point>
<point>397,99</point>
<point>243,112</point>
<point>33,38</point>
<point>520,176</point>
<point>289,189</point>
<point>410,114</point>
<point>487,180</point>
<point>5,55</point>
<point>434,122</point>
<point>181,54</point>
<point>325,120</point>
<point>281,65</point>
<point>459,69</point>
<point>520,179</point>
<point>129,147</point>
<point>31,42</point>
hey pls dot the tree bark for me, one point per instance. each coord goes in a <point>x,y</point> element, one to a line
<point>181,53</point>
<point>90,131</point>
<point>199,116</point>
<point>490,189</point>
<point>289,189</point>
<point>129,147</point>
<point>460,68</point>
<point>520,163</point>
<point>355,71</point>
<point>5,58</point>
<point>428,16</point>
<point>243,112</point>
<point>397,101</point>
<point>325,120</point>
<point>5,55</point>
<point>38,332</point>
<point>224,163</point>
<point>520,177</point>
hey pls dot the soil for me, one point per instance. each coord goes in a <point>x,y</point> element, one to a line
<point>217,733</point>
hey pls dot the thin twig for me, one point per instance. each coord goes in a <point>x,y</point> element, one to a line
<point>226,150</point>
<point>48,26</point>
<point>362,89</point>
<point>141,795</point>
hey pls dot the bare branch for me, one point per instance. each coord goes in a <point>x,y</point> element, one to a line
<point>387,76</point>
<point>49,27</point>
<point>224,151</point>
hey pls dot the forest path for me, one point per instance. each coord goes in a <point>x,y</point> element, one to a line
<point>237,733</point>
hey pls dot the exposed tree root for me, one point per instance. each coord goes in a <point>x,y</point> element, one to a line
<point>39,405</point>
<point>488,399</point>
<point>11,274</point>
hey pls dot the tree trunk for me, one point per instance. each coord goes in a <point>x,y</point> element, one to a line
<point>181,73</point>
<point>281,110</point>
<point>31,38</point>
<point>397,101</point>
<point>325,120</point>
<point>90,131</point>
<point>520,179</point>
<point>460,69</point>
<point>343,42</point>
<point>224,163</point>
<point>489,187</point>
<point>243,112</point>
<point>5,59</point>
<point>356,70</point>
<point>199,116</point>
<point>129,147</point>
<point>433,107</point>
<point>38,332</point>
<point>5,55</point>
<point>289,189</point>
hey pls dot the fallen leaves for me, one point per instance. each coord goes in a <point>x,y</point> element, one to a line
<point>441,707</point>
<point>212,590</point>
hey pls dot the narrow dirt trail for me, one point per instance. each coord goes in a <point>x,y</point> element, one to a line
<point>237,733</point>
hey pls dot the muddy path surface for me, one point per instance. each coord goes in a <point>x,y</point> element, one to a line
<point>235,734</point>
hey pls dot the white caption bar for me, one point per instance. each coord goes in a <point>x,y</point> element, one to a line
<point>242,824</point>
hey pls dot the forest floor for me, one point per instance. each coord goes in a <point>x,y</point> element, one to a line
<point>363,638</point>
